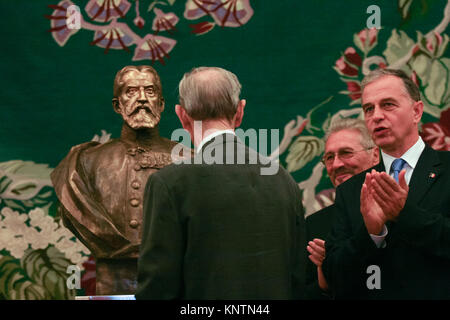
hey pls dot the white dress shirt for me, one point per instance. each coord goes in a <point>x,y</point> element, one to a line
<point>411,156</point>
<point>212,136</point>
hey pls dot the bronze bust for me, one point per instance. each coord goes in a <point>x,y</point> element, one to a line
<point>101,186</point>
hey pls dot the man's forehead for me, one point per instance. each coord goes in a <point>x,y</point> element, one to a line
<point>135,77</point>
<point>343,139</point>
<point>387,86</point>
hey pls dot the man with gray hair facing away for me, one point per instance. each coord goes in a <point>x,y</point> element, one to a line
<point>220,230</point>
<point>349,150</point>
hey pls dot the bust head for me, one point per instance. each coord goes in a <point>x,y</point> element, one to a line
<point>138,96</point>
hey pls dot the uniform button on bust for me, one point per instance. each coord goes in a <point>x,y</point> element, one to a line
<point>135,185</point>
<point>134,223</point>
<point>137,167</point>
<point>134,202</point>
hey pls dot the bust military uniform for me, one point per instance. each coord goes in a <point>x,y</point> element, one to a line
<point>100,187</point>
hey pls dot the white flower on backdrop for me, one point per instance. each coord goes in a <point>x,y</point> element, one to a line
<point>37,230</point>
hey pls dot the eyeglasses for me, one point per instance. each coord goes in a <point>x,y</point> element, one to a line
<point>345,154</point>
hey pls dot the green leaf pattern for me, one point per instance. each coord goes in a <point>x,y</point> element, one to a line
<point>398,46</point>
<point>303,150</point>
<point>15,285</point>
<point>47,268</point>
<point>403,6</point>
<point>35,249</point>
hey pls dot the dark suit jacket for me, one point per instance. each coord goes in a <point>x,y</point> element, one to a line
<point>415,264</point>
<point>318,225</point>
<point>222,231</point>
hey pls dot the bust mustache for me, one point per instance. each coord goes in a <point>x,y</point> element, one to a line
<point>142,115</point>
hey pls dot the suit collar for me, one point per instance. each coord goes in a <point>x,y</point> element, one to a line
<point>411,156</point>
<point>220,139</point>
<point>212,136</point>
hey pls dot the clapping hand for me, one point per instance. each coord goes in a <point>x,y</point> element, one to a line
<point>390,195</point>
<point>382,199</point>
<point>372,213</point>
<point>316,248</point>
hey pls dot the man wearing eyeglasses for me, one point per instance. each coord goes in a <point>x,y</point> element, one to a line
<point>391,234</point>
<point>349,150</point>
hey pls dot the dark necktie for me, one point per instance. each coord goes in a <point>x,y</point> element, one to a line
<point>397,166</point>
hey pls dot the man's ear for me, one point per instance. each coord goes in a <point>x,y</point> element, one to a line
<point>116,105</point>
<point>237,120</point>
<point>375,156</point>
<point>418,111</point>
<point>185,119</point>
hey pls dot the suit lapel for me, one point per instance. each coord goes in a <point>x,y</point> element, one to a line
<point>426,172</point>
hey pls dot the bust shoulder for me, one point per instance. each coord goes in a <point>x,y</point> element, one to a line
<point>105,154</point>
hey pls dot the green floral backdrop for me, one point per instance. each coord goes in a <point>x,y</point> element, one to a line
<point>300,64</point>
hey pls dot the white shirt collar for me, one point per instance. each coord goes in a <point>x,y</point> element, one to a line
<point>411,156</point>
<point>212,136</point>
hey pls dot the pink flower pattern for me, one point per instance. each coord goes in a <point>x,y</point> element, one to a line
<point>437,134</point>
<point>369,35</point>
<point>355,90</point>
<point>118,35</point>
<point>164,21</point>
<point>154,48</point>
<point>433,43</point>
<point>59,29</point>
<point>104,10</point>
<point>226,13</point>
<point>349,63</point>
<point>202,27</point>
<point>112,38</point>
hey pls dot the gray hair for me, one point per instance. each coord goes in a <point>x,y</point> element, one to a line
<point>351,124</point>
<point>209,93</point>
<point>410,86</point>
